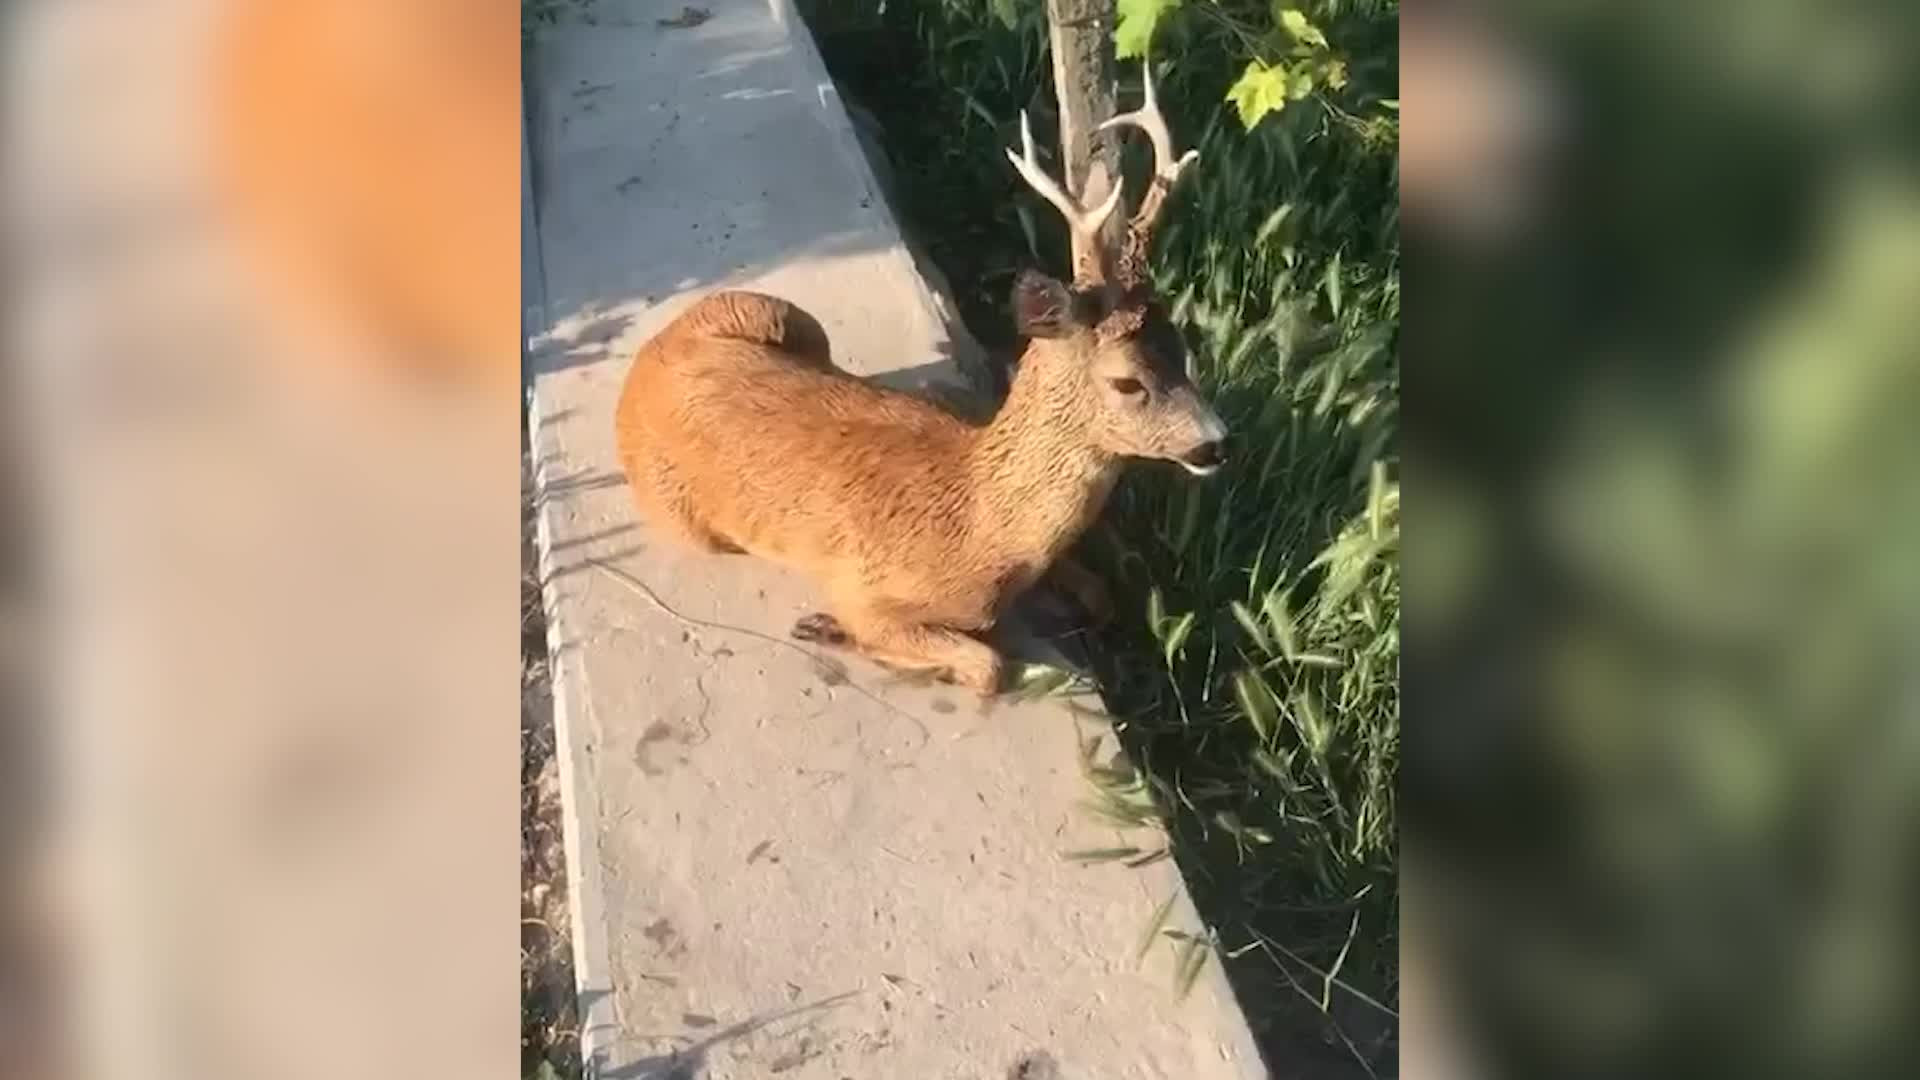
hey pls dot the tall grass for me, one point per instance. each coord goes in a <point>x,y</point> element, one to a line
<point>1254,669</point>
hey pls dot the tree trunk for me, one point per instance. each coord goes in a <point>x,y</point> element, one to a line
<point>1081,34</point>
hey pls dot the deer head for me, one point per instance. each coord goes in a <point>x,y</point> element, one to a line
<point>1107,337</point>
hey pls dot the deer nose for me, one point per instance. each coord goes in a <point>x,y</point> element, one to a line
<point>1206,457</point>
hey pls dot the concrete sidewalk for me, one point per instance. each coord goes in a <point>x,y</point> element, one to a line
<point>781,867</point>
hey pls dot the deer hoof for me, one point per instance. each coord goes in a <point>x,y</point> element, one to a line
<point>820,628</point>
<point>986,679</point>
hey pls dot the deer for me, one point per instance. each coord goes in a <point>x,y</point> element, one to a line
<point>738,433</point>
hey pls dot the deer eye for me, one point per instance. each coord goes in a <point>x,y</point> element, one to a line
<point>1127,386</point>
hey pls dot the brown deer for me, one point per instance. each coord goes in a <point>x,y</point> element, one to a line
<point>739,434</point>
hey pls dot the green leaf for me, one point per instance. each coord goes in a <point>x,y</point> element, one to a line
<point>1133,31</point>
<point>1302,30</point>
<point>1333,283</point>
<point>1004,11</point>
<point>1261,90</point>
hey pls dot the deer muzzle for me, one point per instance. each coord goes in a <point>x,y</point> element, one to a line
<point>1209,453</point>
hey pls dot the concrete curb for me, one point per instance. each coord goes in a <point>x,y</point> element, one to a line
<point>593,986</point>
<point>580,819</point>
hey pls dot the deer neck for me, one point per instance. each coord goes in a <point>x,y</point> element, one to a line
<point>1038,477</point>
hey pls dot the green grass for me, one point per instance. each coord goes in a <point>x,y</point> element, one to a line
<point>1254,669</point>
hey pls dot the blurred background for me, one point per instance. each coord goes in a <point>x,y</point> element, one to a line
<point>260,527</point>
<point>1661,789</point>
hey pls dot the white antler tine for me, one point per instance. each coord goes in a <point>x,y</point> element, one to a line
<point>1090,256</point>
<point>1167,167</point>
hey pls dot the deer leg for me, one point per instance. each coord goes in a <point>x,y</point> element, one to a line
<point>947,655</point>
<point>667,504</point>
<point>908,647</point>
<point>1086,588</point>
<point>821,628</point>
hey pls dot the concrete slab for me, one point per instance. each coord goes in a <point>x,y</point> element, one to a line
<point>782,866</point>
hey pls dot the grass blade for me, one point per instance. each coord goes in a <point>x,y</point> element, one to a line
<point>1257,704</point>
<point>1100,855</point>
<point>1154,927</point>
<point>1333,973</point>
<point>1251,624</point>
<point>1193,960</point>
<point>1177,636</point>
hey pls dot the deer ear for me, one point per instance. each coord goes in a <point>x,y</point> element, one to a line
<point>1043,307</point>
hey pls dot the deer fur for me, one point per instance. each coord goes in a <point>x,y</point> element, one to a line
<point>738,433</point>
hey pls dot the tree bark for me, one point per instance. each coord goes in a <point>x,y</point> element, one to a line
<point>1081,35</point>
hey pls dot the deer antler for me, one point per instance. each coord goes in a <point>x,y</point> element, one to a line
<point>1166,172</point>
<point>1089,257</point>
